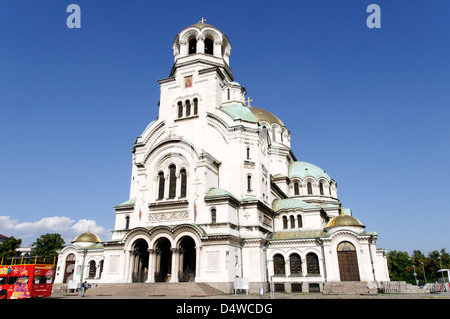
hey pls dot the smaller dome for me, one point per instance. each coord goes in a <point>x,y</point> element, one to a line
<point>264,115</point>
<point>304,169</point>
<point>200,26</point>
<point>87,238</point>
<point>344,220</point>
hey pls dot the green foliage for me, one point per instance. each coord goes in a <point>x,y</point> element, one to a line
<point>8,247</point>
<point>402,266</point>
<point>48,244</point>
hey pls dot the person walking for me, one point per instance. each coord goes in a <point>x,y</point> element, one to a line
<point>83,288</point>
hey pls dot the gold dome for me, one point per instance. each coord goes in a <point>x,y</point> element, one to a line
<point>344,220</point>
<point>264,115</point>
<point>87,238</point>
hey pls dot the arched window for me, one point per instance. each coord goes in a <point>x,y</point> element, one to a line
<point>248,152</point>
<point>100,268</point>
<point>292,221</point>
<point>285,223</point>
<point>161,181</point>
<point>309,186</point>
<point>193,46</point>
<point>295,264</point>
<point>249,183</point>
<point>228,94</point>
<point>183,183</point>
<point>127,222</point>
<point>209,46</point>
<point>172,181</point>
<point>195,106</point>
<point>188,108</point>
<point>278,265</point>
<point>312,264</point>
<point>321,188</point>
<point>92,269</point>
<point>213,215</point>
<point>296,189</point>
<point>299,221</point>
<point>180,109</point>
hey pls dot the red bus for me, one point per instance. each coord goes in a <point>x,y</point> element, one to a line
<point>26,277</point>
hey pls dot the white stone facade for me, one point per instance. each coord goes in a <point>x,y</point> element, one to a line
<point>216,193</point>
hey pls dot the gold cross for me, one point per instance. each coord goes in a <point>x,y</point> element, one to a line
<point>203,20</point>
<point>248,102</point>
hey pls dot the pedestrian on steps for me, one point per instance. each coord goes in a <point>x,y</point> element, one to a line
<point>83,288</point>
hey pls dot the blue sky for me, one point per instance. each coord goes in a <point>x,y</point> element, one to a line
<point>369,106</point>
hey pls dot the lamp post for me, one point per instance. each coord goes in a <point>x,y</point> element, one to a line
<point>442,273</point>
<point>263,290</point>
<point>424,277</point>
<point>415,274</point>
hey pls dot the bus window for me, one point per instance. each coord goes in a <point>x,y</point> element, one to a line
<point>42,279</point>
<point>11,280</point>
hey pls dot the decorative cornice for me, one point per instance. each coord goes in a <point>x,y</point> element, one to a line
<point>167,80</point>
<point>168,204</point>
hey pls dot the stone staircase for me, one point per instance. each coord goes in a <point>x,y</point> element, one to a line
<point>349,288</point>
<point>183,289</point>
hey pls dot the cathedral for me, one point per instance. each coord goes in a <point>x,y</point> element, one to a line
<point>218,196</point>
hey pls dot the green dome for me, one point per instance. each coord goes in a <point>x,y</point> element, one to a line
<point>303,169</point>
<point>239,112</point>
<point>290,203</point>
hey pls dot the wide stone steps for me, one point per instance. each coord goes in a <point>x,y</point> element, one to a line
<point>184,289</point>
<point>349,288</point>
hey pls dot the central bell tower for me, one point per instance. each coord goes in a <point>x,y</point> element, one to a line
<point>203,41</point>
<point>201,79</point>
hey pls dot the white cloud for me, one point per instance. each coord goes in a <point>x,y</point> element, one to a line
<point>67,227</point>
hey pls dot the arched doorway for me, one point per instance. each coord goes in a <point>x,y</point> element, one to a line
<point>70,268</point>
<point>348,262</point>
<point>187,259</point>
<point>140,261</point>
<point>163,260</point>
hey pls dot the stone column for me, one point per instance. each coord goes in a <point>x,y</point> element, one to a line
<point>151,265</point>
<point>200,43</point>
<point>197,262</point>
<point>218,48</point>
<point>175,268</point>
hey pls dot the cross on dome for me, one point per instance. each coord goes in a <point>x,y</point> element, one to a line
<point>248,101</point>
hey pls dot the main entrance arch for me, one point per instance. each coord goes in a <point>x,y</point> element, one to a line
<point>187,259</point>
<point>348,262</point>
<point>140,260</point>
<point>163,260</point>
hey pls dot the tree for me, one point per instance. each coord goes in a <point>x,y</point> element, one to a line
<point>399,265</point>
<point>48,244</point>
<point>9,246</point>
